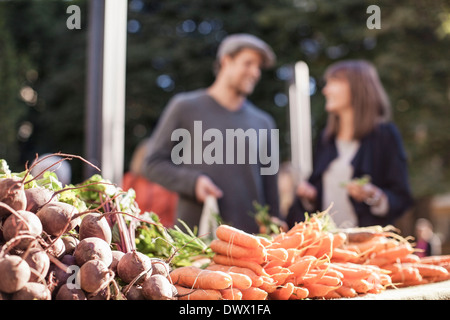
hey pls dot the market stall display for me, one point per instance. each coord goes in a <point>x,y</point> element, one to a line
<point>91,241</point>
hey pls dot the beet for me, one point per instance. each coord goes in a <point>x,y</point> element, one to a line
<point>39,264</point>
<point>56,247</point>
<point>159,266</point>
<point>94,274</point>
<point>132,264</point>
<point>58,217</point>
<point>28,223</point>
<point>157,287</point>
<point>117,255</point>
<point>32,291</point>
<point>95,225</point>
<point>64,293</point>
<point>37,197</point>
<point>14,272</point>
<point>93,248</point>
<point>70,243</point>
<point>60,275</point>
<point>135,293</point>
<point>12,193</point>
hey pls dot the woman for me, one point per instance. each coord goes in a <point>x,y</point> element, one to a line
<point>359,141</point>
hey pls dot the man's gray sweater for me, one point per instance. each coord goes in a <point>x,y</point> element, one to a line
<point>192,137</point>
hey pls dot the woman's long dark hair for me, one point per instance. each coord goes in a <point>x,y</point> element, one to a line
<point>369,99</point>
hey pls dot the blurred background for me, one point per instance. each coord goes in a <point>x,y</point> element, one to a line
<point>171,47</point>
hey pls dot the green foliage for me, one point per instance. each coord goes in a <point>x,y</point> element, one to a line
<point>171,48</point>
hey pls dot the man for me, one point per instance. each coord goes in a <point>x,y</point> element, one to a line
<point>189,152</point>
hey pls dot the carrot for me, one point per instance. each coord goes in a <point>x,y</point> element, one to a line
<point>197,294</point>
<point>427,270</point>
<point>299,293</point>
<point>255,267</point>
<point>339,238</point>
<point>344,255</point>
<point>231,294</point>
<point>330,281</point>
<point>264,241</point>
<point>283,292</point>
<point>253,293</point>
<point>194,277</point>
<point>313,248</point>
<point>269,285</point>
<point>239,280</point>
<point>435,259</point>
<point>236,236</point>
<point>288,241</point>
<point>317,290</point>
<point>406,274</point>
<point>400,251</point>
<point>410,258</point>
<point>326,246</point>
<point>236,251</point>
<point>281,277</point>
<point>302,265</point>
<point>332,295</point>
<point>280,254</point>
<point>346,292</point>
<point>255,279</point>
<point>358,284</point>
<point>351,270</point>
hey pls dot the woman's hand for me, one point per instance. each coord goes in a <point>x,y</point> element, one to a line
<point>367,192</point>
<point>306,191</point>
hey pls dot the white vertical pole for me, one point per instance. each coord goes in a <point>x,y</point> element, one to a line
<point>114,66</point>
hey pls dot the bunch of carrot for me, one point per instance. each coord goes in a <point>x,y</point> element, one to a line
<point>377,246</point>
<point>295,264</point>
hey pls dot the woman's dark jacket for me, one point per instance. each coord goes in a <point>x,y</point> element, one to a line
<point>381,155</point>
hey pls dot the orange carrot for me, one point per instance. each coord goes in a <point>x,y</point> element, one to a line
<point>317,290</point>
<point>350,270</point>
<point>231,294</point>
<point>236,251</point>
<point>358,284</point>
<point>299,293</point>
<point>406,274</point>
<point>269,285</point>
<point>302,265</point>
<point>288,241</point>
<point>428,270</point>
<point>326,246</point>
<point>197,294</point>
<point>346,292</point>
<point>410,258</point>
<point>264,241</point>
<point>344,255</point>
<point>255,279</point>
<point>332,295</point>
<point>283,292</point>
<point>339,238</point>
<point>240,280</point>
<point>398,252</point>
<point>236,236</point>
<point>280,254</point>
<point>435,259</point>
<point>255,267</point>
<point>194,277</point>
<point>330,281</point>
<point>253,293</point>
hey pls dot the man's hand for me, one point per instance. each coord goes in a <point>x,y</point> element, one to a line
<point>205,187</point>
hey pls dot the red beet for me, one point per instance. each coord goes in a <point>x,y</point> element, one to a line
<point>12,193</point>
<point>24,223</point>
<point>39,264</point>
<point>132,264</point>
<point>37,197</point>
<point>95,225</point>
<point>94,274</point>
<point>14,272</point>
<point>58,217</point>
<point>93,249</point>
